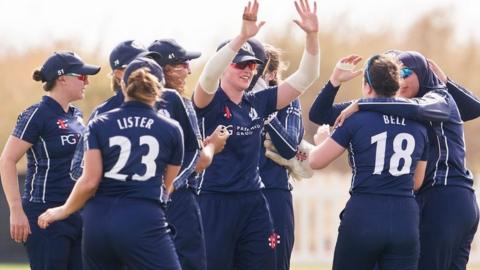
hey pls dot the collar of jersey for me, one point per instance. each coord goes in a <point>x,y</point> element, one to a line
<point>55,106</point>
<point>136,104</point>
<point>245,97</point>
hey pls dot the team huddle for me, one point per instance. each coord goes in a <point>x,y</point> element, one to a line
<point>158,179</point>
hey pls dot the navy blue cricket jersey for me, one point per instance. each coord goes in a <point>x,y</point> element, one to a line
<point>113,102</point>
<point>54,135</point>
<point>286,132</point>
<point>446,160</point>
<point>136,146</point>
<point>235,169</point>
<point>383,152</point>
<point>181,109</point>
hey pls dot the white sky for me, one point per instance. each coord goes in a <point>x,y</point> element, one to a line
<point>197,25</point>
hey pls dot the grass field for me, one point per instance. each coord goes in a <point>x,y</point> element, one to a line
<point>25,267</point>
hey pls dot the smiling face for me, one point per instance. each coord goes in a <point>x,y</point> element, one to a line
<point>74,86</point>
<point>409,86</point>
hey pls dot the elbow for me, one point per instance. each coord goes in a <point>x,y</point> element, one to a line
<point>316,164</point>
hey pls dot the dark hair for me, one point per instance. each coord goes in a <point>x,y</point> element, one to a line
<point>143,86</point>
<point>38,77</point>
<point>383,74</point>
<point>172,80</point>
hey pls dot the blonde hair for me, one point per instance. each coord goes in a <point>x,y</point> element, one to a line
<point>143,86</point>
<point>274,63</point>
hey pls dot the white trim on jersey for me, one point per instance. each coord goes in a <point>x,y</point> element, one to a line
<point>187,169</point>
<point>34,174</point>
<point>283,139</point>
<point>28,122</point>
<point>203,173</point>
<point>354,167</point>
<point>438,160</point>
<point>446,157</point>
<point>46,171</point>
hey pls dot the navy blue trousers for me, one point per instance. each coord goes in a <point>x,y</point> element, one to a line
<point>378,228</point>
<point>448,222</point>
<point>126,232</point>
<point>281,209</point>
<point>238,231</point>
<point>58,246</point>
<point>183,213</point>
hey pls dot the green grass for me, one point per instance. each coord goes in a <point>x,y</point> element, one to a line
<point>25,267</point>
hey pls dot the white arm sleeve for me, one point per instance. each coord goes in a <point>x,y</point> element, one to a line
<point>307,72</point>
<point>214,68</point>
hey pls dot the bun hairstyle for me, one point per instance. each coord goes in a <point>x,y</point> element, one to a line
<point>383,74</point>
<point>38,77</point>
<point>143,86</point>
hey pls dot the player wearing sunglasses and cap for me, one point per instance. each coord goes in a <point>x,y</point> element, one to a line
<point>48,133</point>
<point>183,212</point>
<point>238,227</point>
<point>132,156</point>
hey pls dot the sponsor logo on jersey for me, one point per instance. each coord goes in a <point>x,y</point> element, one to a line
<point>253,114</point>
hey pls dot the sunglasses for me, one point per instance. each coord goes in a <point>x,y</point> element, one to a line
<point>81,77</point>
<point>252,65</point>
<point>405,72</point>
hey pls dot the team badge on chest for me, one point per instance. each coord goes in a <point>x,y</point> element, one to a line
<point>62,123</point>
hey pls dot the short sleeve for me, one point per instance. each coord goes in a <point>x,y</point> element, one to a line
<point>28,125</point>
<point>90,138</point>
<point>178,147</point>
<point>343,134</point>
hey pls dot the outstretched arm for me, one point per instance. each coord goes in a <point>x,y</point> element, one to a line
<point>209,78</point>
<point>323,111</point>
<point>309,67</point>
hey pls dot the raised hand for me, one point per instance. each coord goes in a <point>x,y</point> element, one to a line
<point>344,70</point>
<point>437,70</point>
<point>308,17</point>
<point>250,27</point>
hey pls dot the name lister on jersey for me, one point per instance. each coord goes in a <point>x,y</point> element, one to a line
<point>134,121</point>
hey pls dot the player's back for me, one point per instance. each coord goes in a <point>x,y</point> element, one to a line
<point>383,152</point>
<point>136,146</point>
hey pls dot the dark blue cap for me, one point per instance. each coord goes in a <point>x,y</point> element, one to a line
<point>171,52</point>
<point>143,62</point>
<point>61,63</point>
<point>125,52</point>
<point>258,49</point>
<point>245,53</point>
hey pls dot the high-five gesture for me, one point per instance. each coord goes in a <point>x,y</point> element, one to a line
<point>344,70</point>
<point>250,27</point>
<point>309,19</point>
